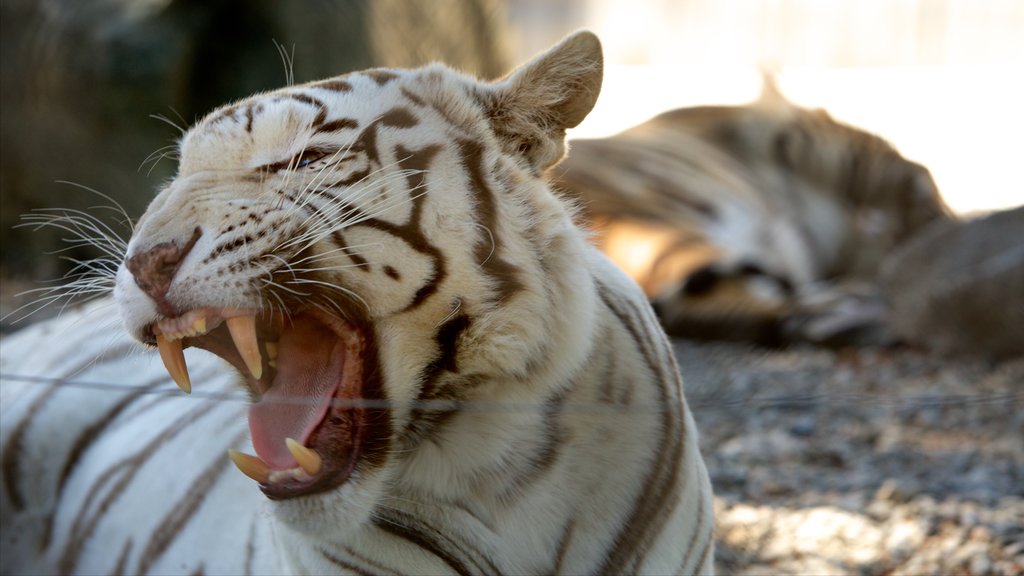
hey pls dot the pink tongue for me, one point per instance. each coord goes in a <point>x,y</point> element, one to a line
<point>309,369</point>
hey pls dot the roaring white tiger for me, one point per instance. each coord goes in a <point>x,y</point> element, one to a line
<point>445,376</point>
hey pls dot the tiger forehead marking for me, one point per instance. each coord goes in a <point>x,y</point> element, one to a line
<point>444,375</point>
<point>323,165</point>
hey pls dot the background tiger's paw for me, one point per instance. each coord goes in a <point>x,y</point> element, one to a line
<point>847,314</point>
<point>719,301</point>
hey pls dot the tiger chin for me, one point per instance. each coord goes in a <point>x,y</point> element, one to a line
<point>445,376</point>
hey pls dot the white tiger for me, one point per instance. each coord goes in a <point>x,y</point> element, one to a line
<point>447,377</point>
<point>766,222</point>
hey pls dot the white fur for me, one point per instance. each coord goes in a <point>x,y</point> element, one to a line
<point>570,372</point>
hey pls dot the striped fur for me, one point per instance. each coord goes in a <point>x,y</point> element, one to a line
<point>738,221</point>
<point>527,415</point>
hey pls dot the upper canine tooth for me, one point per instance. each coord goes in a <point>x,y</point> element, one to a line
<point>243,332</point>
<point>307,458</point>
<point>174,360</point>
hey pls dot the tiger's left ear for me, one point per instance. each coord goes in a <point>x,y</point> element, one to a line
<point>531,108</point>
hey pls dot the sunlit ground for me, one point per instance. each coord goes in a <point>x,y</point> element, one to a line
<point>964,123</point>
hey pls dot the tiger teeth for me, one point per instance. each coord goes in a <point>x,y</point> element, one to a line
<point>254,467</point>
<point>251,466</point>
<point>271,348</point>
<point>243,333</point>
<point>176,328</point>
<point>173,357</point>
<point>307,458</point>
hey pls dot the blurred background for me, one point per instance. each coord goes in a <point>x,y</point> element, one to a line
<point>941,79</point>
<point>870,462</point>
<point>92,90</point>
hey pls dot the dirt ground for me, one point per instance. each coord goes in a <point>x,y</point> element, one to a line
<point>866,461</point>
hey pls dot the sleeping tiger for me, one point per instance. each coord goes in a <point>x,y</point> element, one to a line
<point>766,222</point>
<point>443,375</point>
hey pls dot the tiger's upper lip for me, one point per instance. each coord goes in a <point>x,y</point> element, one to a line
<point>307,431</point>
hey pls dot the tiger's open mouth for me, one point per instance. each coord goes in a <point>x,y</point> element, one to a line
<point>307,376</point>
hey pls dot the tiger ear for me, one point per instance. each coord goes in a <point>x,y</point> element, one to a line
<point>771,97</point>
<point>531,108</point>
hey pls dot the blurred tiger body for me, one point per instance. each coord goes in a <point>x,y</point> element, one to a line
<point>736,220</point>
<point>447,377</point>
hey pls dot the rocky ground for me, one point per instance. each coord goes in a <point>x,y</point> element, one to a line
<point>864,461</point>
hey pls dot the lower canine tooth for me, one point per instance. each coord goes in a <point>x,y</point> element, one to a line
<point>251,466</point>
<point>174,361</point>
<point>307,458</point>
<point>243,333</point>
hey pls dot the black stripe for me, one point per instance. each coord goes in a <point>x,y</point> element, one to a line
<point>12,453</point>
<point>10,465</point>
<point>692,546</point>
<point>418,162</point>
<point>706,554</point>
<point>183,510</point>
<point>85,438</point>
<point>120,476</point>
<point>544,456</point>
<point>650,511</point>
<point>339,124</point>
<point>427,544</point>
<point>399,118</point>
<point>488,250</point>
<point>315,102</point>
<point>356,259</point>
<point>248,118</point>
<point>563,546</point>
<point>447,358</point>
<point>433,542</point>
<point>610,371</point>
<point>122,560</point>
<point>335,85</point>
<point>411,96</point>
<point>345,566</point>
<point>89,434</point>
<point>250,548</point>
<point>374,567</point>
<point>381,77</point>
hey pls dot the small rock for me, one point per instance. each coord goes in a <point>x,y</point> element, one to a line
<point>892,490</point>
<point>804,427</point>
<point>980,564</point>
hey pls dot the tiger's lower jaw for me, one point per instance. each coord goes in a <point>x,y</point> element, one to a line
<point>307,374</point>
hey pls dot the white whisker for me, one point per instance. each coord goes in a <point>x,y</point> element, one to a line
<point>288,60</point>
<point>342,250</point>
<point>169,122</point>
<point>342,289</point>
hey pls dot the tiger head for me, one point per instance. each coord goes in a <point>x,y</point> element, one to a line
<point>359,247</point>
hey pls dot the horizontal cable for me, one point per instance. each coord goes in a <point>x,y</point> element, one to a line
<point>779,401</point>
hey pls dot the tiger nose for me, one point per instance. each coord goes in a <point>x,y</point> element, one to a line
<point>155,268</point>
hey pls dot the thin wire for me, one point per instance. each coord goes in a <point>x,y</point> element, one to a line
<point>781,401</point>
